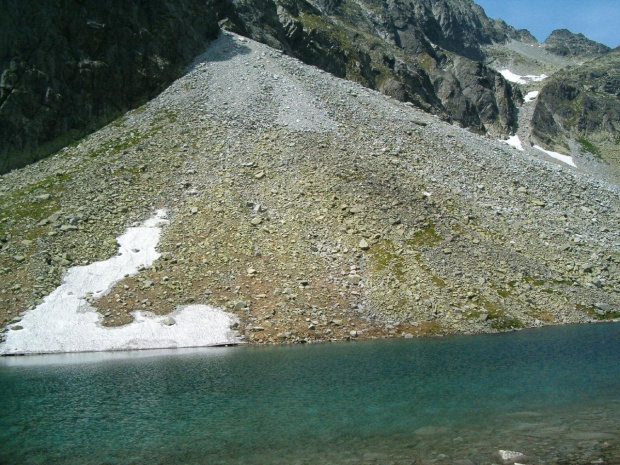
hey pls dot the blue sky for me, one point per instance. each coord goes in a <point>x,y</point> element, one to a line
<point>597,19</point>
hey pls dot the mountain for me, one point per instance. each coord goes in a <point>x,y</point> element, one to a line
<point>69,68</point>
<point>371,194</point>
<point>312,208</point>
<point>582,105</point>
<point>565,43</point>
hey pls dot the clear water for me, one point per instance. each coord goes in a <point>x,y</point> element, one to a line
<point>552,394</point>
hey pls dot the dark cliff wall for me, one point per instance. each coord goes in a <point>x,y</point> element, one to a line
<point>69,66</point>
<point>581,102</point>
<point>420,51</point>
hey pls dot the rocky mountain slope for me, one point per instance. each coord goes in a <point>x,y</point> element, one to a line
<point>313,208</point>
<point>571,104</point>
<point>579,110</point>
<point>67,69</point>
<point>564,43</point>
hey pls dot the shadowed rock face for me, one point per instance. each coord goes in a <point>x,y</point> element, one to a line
<point>564,43</point>
<point>420,52</point>
<point>69,67</point>
<point>582,103</point>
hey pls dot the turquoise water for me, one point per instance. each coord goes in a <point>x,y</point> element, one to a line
<point>552,394</point>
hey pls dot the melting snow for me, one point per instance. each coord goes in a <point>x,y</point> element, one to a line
<point>512,77</point>
<point>515,142</point>
<point>558,156</point>
<point>531,96</point>
<point>65,322</point>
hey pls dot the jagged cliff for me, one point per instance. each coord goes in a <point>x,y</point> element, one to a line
<point>69,67</point>
<point>582,104</point>
<point>565,43</point>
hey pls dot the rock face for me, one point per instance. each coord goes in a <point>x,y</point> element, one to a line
<point>425,52</point>
<point>565,43</point>
<point>582,104</point>
<point>68,68</point>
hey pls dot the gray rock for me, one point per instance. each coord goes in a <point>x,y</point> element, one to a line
<point>240,306</point>
<point>605,308</point>
<point>168,321</point>
<point>509,456</point>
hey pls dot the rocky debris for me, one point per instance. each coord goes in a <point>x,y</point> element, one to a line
<point>168,321</point>
<point>68,69</point>
<point>509,456</point>
<point>579,108</point>
<point>460,233</point>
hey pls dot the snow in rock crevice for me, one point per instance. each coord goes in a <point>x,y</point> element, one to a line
<point>558,156</point>
<point>517,79</point>
<point>515,142</point>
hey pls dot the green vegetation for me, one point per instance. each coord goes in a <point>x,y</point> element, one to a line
<point>503,293</point>
<point>505,322</point>
<point>534,282</point>
<point>20,207</point>
<point>384,256</point>
<point>587,146</point>
<point>426,236</point>
<point>496,315</point>
<point>426,62</point>
<point>133,139</point>
<point>597,314</point>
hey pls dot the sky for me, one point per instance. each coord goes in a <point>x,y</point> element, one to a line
<point>597,19</point>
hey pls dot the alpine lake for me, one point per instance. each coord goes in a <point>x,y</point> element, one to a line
<point>551,394</point>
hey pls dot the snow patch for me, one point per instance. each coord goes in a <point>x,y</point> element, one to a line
<point>558,156</point>
<point>515,142</point>
<point>531,96</point>
<point>512,77</point>
<point>65,322</point>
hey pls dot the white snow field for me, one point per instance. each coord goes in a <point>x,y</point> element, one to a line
<point>558,156</point>
<point>515,142</point>
<point>512,77</point>
<point>65,322</point>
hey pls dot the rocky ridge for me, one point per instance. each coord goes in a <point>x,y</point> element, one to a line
<point>314,209</point>
<point>565,43</point>
<point>66,69</point>
<point>578,111</point>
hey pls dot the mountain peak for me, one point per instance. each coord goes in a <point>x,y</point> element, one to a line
<point>566,43</point>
